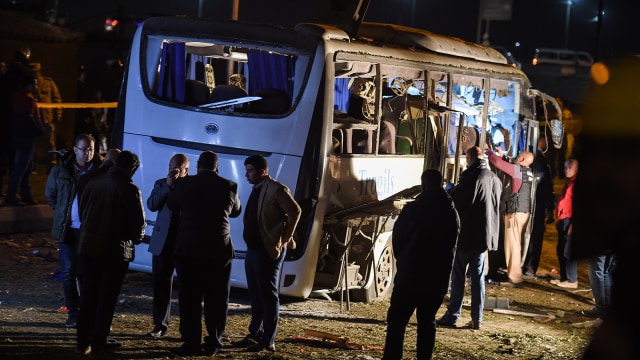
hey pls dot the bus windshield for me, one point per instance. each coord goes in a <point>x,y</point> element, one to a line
<point>213,76</point>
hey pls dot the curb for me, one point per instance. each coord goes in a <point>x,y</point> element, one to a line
<point>19,219</point>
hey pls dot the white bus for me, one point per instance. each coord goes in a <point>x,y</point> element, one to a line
<point>347,121</point>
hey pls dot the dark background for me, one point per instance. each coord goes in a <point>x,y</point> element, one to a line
<point>531,24</point>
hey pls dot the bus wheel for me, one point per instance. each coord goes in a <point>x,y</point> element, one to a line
<point>382,285</point>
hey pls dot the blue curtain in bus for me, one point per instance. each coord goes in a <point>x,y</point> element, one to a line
<point>522,141</point>
<point>341,94</point>
<point>171,78</point>
<point>270,71</point>
<point>195,67</point>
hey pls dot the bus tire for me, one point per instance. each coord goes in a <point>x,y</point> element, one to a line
<point>382,282</point>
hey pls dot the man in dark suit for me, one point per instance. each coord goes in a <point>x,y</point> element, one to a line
<point>163,242</point>
<point>203,253</point>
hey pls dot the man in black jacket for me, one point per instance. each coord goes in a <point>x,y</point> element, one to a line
<point>424,244</point>
<point>477,199</point>
<point>203,253</point>
<point>113,221</point>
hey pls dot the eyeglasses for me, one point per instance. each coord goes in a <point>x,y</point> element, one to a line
<point>88,149</point>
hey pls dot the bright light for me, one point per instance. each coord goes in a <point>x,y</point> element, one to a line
<point>110,23</point>
<point>599,73</point>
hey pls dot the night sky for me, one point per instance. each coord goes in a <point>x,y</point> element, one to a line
<point>534,23</point>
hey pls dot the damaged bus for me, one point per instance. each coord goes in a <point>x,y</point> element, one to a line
<point>347,119</point>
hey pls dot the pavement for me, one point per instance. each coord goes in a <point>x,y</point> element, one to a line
<point>32,218</point>
<point>21,219</point>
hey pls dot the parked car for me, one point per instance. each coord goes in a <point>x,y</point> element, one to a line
<point>561,57</point>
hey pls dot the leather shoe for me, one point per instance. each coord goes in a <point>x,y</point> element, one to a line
<point>157,333</point>
<point>474,325</point>
<point>245,342</point>
<point>260,347</point>
<point>567,285</point>
<point>442,323</point>
<point>554,281</point>
<point>593,313</point>
<point>72,321</point>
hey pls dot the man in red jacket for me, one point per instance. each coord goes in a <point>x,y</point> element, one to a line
<point>568,262</point>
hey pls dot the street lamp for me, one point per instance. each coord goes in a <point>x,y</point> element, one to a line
<point>566,25</point>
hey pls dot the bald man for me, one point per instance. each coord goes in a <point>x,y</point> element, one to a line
<point>517,211</point>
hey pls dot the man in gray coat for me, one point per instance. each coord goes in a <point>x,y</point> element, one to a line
<point>162,244</point>
<point>477,199</point>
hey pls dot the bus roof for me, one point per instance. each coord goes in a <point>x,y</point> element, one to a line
<point>410,37</point>
<point>369,32</point>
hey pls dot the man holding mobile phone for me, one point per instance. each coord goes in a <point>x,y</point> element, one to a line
<point>162,244</point>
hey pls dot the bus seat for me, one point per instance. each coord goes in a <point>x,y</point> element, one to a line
<point>357,134</point>
<point>273,102</point>
<point>195,92</point>
<point>226,92</point>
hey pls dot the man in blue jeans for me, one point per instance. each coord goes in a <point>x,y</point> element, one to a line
<point>477,199</point>
<point>270,219</point>
<point>61,194</point>
<point>601,268</point>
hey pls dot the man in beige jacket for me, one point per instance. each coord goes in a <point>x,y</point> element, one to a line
<point>270,219</point>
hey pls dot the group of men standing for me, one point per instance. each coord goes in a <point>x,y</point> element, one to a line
<point>99,218</point>
<point>461,230</point>
<point>192,233</point>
